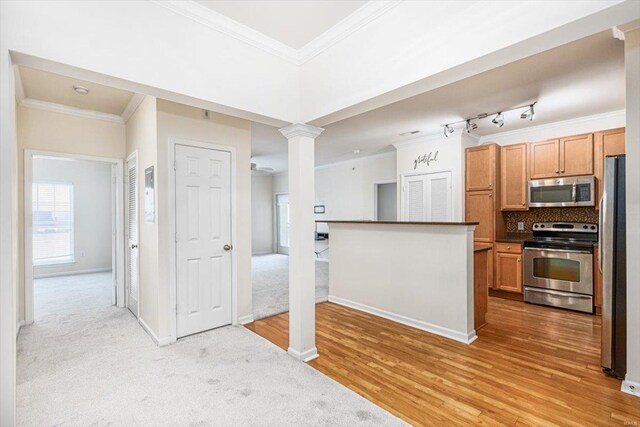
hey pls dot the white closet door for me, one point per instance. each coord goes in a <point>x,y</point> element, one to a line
<point>428,197</point>
<point>203,239</point>
<point>132,236</point>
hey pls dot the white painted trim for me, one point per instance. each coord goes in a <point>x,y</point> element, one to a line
<point>612,114</point>
<point>262,253</point>
<point>72,273</point>
<point>243,320</point>
<point>418,324</point>
<point>19,86</point>
<point>305,356</point>
<point>630,387</point>
<point>225,25</point>
<point>28,243</point>
<point>19,326</point>
<point>71,111</point>
<point>322,260</point>
<point>173,315</point>
<point>132,106</point>
<point>160,342</point>
<point>375,195</point>
<point>300,129</point>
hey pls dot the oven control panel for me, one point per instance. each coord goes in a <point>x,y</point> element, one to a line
<point>574,227</point>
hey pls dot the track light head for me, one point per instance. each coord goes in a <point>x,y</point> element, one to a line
<point>448,130</point>
<point>470,126</point>
<point>498,120</point>
<point>529,113</point>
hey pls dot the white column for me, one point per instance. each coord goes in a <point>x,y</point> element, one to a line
<point>632,71</point>
<point>302,267</point>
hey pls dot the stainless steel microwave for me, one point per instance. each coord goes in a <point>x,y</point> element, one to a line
<point>562,192</point>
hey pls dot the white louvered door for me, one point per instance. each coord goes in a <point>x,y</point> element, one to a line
<point>132,289</point>
<point>203,239</point>
<point>427,197</point>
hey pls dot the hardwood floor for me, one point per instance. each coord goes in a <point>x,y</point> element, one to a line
<point>530,365</point>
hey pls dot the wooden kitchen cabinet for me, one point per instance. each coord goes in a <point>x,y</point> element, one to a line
<point>569,156</point>
<point>513,178</point>
<point>606,143</point>
<point>508,268</point>
<point>480,208</point>
<point>576,155</point>
<point>544,159</point>
<point>480,167</point>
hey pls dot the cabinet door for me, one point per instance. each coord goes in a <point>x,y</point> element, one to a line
<point>480,209</point>
<point>480,167</point>
<point>509,272</point>
<point>606,143</point>
<point>576,155</point>
<point>544,159</point>
<point>514,178</point>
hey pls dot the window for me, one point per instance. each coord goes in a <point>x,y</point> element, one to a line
<point>52,223</point>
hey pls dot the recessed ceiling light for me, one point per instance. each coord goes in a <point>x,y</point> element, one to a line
<point>413,132</point>
<point>81,90</point>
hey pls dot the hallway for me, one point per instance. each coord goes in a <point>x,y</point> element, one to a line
<point>85,362</point>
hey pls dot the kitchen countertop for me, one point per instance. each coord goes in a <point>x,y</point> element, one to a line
<point>479,247</point>
<point>513,237</point>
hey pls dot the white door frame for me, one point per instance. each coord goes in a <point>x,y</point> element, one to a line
<point>375,195</point>
<point>401,182</point>
<point>132,156</point>
<point>173,283</point>
<point>117,239</point>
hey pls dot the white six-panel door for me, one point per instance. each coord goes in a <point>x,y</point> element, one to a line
<point>203,239</point>
<point>131,291</point>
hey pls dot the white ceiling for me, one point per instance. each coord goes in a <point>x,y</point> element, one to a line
<point>49,87</point>
<point>579,79</point>
<point>294,23</point>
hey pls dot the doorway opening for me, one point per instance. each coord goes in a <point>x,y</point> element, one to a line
<point>282,223</point>
<point>385,201</point>
<point>73,229</point>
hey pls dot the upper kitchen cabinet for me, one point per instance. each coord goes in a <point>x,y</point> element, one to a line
<point>606,143</point>
<point>480,209</point>
<point>576,155</point>
<point>545,159</point>
<point>513,177</point>
<point>481,166</point>
<point>570,156</point>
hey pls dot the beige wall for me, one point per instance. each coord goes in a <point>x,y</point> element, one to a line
<point>60,133</point>
<point>180,121</point>
<point>142,138</point>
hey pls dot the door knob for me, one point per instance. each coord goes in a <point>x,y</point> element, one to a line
<point>133,246</point>
<point>227,247</point>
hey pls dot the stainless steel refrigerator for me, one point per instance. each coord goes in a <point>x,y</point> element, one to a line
<point>613,265</point>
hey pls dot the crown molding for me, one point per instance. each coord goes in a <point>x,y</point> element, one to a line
<point>225,25</point>
<point>71,111</point>
<point>18,85</point>
<point>579,120</point>
<point>132,106</point>
<point>300,129</point>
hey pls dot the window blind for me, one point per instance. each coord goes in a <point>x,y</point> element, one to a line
<point>52,223</point>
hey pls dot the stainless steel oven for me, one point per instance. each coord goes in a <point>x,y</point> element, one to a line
<point>562,192</point>
<point>558,265</point>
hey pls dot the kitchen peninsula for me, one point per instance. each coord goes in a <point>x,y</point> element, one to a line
<point>417,273</point>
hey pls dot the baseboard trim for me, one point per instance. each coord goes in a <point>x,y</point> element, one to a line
<point>631,387</point>
<point>262,253</point>
<point>322,260</point>
<point>19,326</point>
<point>305,356</point>
<point>414,323</point>
<point>160,342</point>
<point>71,273</point>
<point>243,320</point>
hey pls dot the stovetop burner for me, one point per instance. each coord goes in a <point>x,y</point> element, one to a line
<point>563,235</point>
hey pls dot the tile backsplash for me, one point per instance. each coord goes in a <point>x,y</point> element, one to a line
<point>533,215</point>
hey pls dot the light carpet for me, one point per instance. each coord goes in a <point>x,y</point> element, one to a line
<point>271,284</point>
<point>86,363</point>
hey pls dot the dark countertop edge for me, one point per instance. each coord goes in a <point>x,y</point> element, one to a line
<point>479,247</point>
<point>395,222</point>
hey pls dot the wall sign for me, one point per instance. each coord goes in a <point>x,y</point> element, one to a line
<point>149,197</point>
<point>425,158</point>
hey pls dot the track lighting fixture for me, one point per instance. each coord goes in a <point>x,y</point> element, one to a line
<point>529,113</point>
<point>468,127</point>
<point>498,120</point>
<point>448,130</point>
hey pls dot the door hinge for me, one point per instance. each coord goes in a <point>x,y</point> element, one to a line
<point>175,165</point>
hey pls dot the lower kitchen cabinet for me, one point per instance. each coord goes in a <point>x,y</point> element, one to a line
<point>508,267</point>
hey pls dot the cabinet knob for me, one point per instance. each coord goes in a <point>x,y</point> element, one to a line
<point>508,247</point>
<point>524,204</point>
<point>562,171</point>
<point>557,171</point>
<point>490,185</point>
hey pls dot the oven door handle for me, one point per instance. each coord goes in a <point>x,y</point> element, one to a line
<point>566,251</point>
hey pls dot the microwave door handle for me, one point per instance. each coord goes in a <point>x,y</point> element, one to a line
<point>574,193</point>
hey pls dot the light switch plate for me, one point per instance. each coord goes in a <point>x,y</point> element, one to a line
<point>521,226</point>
